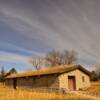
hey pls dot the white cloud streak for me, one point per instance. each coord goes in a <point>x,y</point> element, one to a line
<point>11,57</point>
<point>63,26</point>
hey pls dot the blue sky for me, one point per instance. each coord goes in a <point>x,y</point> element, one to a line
<point>34,27</point>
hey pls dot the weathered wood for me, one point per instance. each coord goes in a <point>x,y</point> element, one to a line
<point>50,81</point>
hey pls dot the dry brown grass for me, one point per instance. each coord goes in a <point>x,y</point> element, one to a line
<point>92,92</point>
<point>95,87</point>
<point>10,94</point>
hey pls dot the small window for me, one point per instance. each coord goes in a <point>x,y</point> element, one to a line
<point>83,79</point>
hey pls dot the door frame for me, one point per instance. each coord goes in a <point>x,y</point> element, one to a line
<point>14,83</point>
<point>74,82</point>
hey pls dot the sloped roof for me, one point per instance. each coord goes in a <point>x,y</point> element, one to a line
<point>52,70</point>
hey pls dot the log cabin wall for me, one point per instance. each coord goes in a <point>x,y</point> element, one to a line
<point>50,81</point>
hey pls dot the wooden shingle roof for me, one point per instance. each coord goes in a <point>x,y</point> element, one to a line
<point>47,71</point>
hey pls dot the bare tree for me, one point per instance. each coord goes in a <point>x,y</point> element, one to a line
<point>54,58</point>
<point>69,57</point>
<point>57,58</point>
<point>37,62</point>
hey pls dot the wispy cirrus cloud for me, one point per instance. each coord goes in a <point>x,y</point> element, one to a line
<point>5,46</point>
<point>42,26</point>
<point>11,57</point>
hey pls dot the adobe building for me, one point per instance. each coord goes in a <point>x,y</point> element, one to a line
<point>69,77</point>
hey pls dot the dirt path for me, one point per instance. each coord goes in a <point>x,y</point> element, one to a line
<point>86,95</point>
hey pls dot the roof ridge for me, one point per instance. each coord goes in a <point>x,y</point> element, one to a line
<point>52,70</point>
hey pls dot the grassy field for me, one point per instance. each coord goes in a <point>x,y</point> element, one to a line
<point>10,94</point>
<point>95,87</point>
